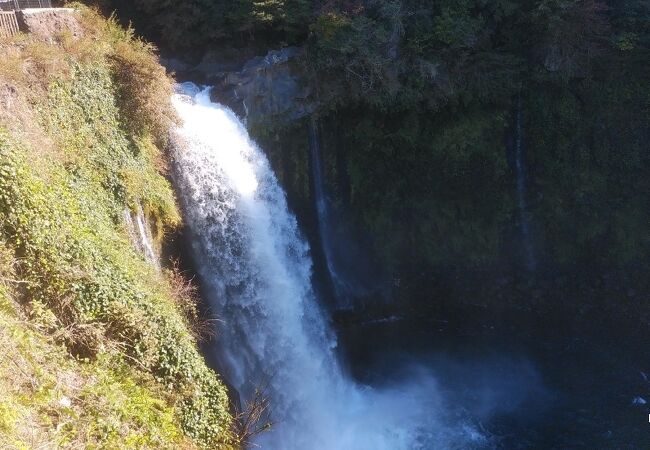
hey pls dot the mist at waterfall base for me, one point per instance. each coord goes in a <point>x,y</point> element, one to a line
<point>255,270</point>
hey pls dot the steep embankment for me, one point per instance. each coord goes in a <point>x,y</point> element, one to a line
<point>98,344</point>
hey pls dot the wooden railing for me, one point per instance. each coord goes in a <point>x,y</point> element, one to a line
<point>8,23</point>
<point>17,5</point>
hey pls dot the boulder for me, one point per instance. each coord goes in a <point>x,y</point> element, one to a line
<point>270,88</point>
<point>47,23</point>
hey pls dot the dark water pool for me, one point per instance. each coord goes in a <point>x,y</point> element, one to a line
<point>541,390</point>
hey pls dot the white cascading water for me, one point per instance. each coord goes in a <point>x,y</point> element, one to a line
<point>256,270</point>
<point>140,234</point>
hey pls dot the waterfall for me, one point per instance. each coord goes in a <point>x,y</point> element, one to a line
<point>341,287</point>
<point>256,271</point>
<point>522,194</point>
<point>348,267</point>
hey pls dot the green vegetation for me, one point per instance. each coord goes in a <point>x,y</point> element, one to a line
<point>195,24</point>
<point>425,95</point>
<point>102,340</point>
<point>418,102</point>
<point>588,145</point>
<point>52,400</point>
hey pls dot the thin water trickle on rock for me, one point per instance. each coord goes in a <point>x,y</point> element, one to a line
<point>140,235</point>
<point>522,194</point>
<point>342,288</point>
<point>351,272</point>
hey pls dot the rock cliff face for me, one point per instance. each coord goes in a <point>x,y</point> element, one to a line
<point>271,88</point>
<point>266,88</point>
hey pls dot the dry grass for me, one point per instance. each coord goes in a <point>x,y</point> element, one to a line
<point>30,64</point>
<point>253,417</point>
<point>145,86</point>
<point>144,83</point>
<point>20,426</point>
<point>185,293</point>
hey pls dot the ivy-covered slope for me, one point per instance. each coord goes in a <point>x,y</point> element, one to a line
<point>101,353</point>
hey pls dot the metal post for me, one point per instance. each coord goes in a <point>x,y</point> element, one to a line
<point>16,5</point>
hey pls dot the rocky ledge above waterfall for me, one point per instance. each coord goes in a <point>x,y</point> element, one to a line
<point>260,89</point>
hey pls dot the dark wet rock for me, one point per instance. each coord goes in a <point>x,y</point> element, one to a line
<point>269,88</point>
<point>260,89</point>
<point>176,65</point>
